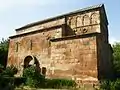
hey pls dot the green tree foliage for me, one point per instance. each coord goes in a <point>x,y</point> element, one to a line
<point>7,78</point>
<point>4,44</point>
<point>116,59</point>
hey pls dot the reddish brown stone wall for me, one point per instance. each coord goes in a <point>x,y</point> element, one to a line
<point>42,26</point>
<point>40,47</point>
<point>75,58</point>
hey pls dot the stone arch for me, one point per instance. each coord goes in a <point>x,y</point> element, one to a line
<point>27,61</point>
<point>72,22</point>
<point>69,21</point>
<point>94,19</point>
<point>86,20</point>
<point>78,21</point>
<point>31,60</point>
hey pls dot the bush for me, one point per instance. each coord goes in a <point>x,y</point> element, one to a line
<point>1,68</point>
<point>6,77</point>
<point>59,83</point>
<point>105,84</point>
<point>19,81</point>
<point>110,85</point>
<point>33,77</point>
<point>9,71</point>
<point>117,85</point>
<point>11,81</point>
<point>6,81</point>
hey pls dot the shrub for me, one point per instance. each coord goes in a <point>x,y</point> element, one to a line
<point>59,83</point>
<point>105,84</point>
<point>33,77</point>
<point>10,71</point>
<point>6,77</point>
<point>110,85</point>
<point>11,81</point>
<point>117,85</point>
<point>1,68</point>
<point>19,81</point>
<point>6,81</point>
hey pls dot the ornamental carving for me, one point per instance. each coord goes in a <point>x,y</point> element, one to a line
<point>94,18</point>
<point>79,21</point>
<point>72,22</point>
<point>86,20</point>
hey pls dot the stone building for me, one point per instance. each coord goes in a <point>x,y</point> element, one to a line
<point>74,45</point>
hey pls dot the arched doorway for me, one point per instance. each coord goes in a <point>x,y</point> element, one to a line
<point>31,60</point>
<point>28,60</point>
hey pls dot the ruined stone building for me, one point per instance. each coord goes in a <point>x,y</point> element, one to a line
<point>74,45</point>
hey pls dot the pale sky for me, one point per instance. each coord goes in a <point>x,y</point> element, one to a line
<point>16,13</point>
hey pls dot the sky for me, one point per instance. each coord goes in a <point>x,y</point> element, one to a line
<point>17,13</point>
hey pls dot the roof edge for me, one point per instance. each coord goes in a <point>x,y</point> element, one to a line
<point>61,16</point>
<point>33,32</point>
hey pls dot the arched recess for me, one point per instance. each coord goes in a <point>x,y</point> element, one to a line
<point>72,22</point>
<point>94,19</point>
<point>69,22</point>
<point>86,20</point>
<point>78,21</point>
<point>31,60</point>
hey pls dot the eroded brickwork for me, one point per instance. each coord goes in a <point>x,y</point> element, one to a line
<point>42,26</point>
<point>76,58</point>
<point>74,45</point>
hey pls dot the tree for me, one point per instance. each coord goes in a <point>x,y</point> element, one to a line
<point>116,61</point>
<point>4,44</point>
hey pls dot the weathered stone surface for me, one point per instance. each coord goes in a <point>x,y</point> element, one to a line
<point>74,46</point>
<point>42,26</point>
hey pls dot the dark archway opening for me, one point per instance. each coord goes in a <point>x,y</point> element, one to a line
<point>31,61</point>
<point>27,61</point>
